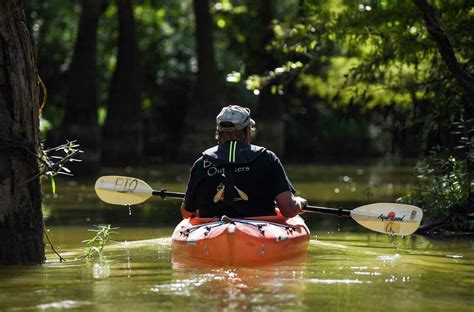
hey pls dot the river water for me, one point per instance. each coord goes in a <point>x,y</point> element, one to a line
<point>347,268</point>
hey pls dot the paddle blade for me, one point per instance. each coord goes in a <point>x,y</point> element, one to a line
<point>119,190</point>
<point>389,218</point>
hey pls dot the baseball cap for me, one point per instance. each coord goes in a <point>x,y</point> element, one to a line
<point>234,117</point>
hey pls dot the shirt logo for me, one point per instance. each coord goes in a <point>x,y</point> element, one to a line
<point>219,196</point>
<point>212,170</point>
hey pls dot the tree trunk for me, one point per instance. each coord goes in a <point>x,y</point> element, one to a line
<point>21,219</point>
<point>123,130</point>
<point>465,79</point>
<point>80,113</point>
<point>270,111</point>
<point>200,117</point>
<point>206,84</point>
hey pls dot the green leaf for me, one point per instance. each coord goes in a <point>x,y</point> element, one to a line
<point>53,185</point>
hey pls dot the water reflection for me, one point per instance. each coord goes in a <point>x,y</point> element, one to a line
<point>239,288</point>
<point>101,269</point>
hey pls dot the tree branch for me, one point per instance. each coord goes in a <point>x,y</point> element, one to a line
<point>444,45</point>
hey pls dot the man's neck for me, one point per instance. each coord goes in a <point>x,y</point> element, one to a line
<point>240,141</point>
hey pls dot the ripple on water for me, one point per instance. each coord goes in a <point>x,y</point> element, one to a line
<point>336,281</point>
<point>389,258</point>
<point>182,287</point>
<point>327,244</point>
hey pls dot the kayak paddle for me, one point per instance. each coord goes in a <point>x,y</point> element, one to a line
<point>388,218</point>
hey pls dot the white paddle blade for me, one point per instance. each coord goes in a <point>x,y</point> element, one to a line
<point>118,190</point>
<point>389,218</point>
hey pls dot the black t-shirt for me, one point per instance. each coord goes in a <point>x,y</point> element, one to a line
<point>258,177</point>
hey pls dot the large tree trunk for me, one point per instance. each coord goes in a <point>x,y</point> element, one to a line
<point>270,111</point>
<point>21,219</point>
<point>200,117</point>
<point>123,130</point>
<point>80,113</point>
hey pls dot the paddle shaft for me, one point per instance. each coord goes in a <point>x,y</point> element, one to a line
<point>312,209</point>
<point>164,193</point>
<point>326,210</point>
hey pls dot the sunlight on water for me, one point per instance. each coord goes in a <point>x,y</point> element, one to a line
<point>390,258</point>
<point>326,244</point>
<point>334,281</point>
<point>65,304</point>
<point>101,270</point>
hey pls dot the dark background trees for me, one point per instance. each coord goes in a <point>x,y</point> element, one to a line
<point>79,121</point>
<point>207,90</point>
<point>124,122</point>
<point>327,81</point>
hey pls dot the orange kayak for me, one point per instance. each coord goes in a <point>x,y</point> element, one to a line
<point>246,242</point>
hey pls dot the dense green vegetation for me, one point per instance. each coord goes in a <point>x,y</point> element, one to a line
<point>336,80</point>
<point>445,183</point>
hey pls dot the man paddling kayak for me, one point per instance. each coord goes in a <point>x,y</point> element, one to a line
<point>236,178</point>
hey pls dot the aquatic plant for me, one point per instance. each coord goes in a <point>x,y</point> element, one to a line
<point>100,239</point>
<point>445,180</point>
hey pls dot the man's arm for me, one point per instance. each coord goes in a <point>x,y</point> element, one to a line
<point>186,214</point>
<point>289,204</point>
<point>189,198</point>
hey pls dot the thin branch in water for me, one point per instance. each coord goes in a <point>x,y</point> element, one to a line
<point>61,259</point>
